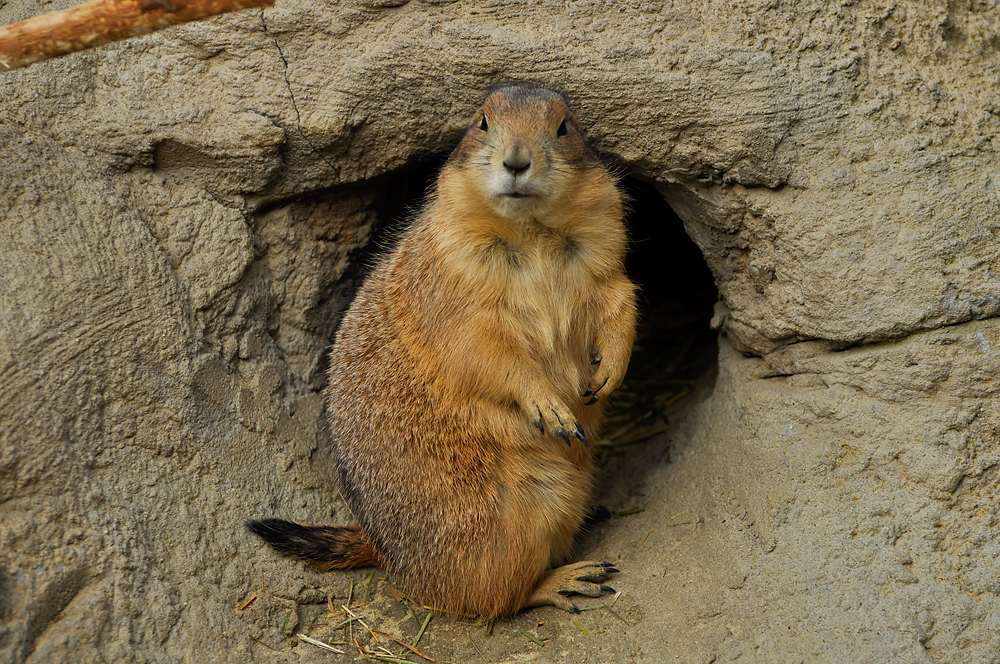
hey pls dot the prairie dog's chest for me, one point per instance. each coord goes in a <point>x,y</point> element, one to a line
<point>548,287</point>
<point>542,272</point>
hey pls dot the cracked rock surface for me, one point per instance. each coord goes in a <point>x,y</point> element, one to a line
<point>183,218</point>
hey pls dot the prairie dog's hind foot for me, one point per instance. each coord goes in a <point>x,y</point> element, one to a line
<point>583,578</point>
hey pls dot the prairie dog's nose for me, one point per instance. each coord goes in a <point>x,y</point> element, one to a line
<point>516,159</point>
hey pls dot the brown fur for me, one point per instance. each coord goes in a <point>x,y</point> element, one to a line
<point>481,329</point>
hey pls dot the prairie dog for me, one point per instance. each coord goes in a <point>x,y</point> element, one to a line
<point>472,368</point>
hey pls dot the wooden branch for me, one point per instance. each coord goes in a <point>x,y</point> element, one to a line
<point>100,22</point>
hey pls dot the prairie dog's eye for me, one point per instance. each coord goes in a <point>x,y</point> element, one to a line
<point>562,129</point>
<point>483,125</point>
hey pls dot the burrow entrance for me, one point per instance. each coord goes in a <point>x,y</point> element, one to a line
<point>674,344</point>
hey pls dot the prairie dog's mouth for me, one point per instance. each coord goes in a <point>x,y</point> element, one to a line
<point>513,190</point>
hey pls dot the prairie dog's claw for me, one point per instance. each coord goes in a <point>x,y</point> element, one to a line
<point>558,418</point>
<point>605,380</point>
<point>584,578</point>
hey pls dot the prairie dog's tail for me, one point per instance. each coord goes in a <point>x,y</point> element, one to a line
<point>327,547</point>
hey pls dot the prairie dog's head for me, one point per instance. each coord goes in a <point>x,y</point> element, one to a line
<point>523,152</point>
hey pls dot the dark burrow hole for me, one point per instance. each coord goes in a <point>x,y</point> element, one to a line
<point>674,344</point>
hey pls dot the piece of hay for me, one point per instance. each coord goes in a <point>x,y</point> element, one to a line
<point>319,644</point>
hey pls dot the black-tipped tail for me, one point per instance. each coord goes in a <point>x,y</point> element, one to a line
<point>327,547</point>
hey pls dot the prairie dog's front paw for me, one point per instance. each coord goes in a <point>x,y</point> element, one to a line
<point>608,376</point>
<point>552,416</point>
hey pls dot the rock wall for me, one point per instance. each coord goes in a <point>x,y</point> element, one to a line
<point>183,216</point>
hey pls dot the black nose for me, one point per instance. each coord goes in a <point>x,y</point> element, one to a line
<point>516,159</point>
